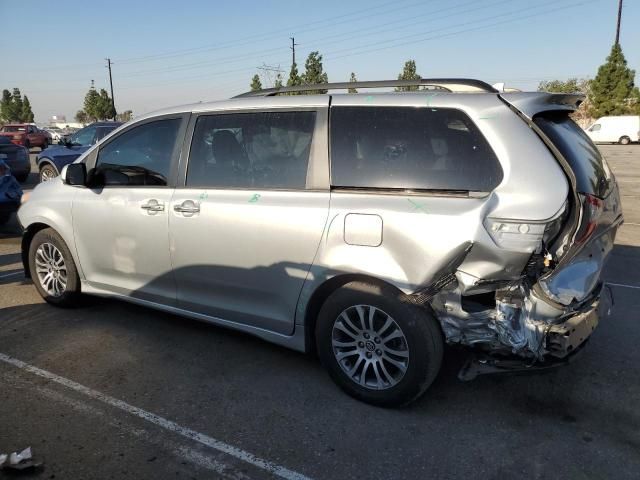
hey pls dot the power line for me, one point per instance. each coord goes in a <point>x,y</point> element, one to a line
<point>377,31</point>
<point>433,37</point>
<point>273,34</point>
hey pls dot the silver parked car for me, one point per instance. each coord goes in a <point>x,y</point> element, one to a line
<point>370,228</point>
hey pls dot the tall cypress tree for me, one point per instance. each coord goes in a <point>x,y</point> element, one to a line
<point>26,115</point>
<point>612,91</point>
<point>314,72</point>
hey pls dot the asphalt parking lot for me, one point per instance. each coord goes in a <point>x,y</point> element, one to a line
<point>113,390</point>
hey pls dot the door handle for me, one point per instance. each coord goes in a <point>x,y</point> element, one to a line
<point>153,206</point>
<point>188,207</point>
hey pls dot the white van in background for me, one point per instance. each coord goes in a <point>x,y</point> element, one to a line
<point>623,129</point>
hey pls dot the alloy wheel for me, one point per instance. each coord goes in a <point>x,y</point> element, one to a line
<point>370,347</point>
<point>51,269</point>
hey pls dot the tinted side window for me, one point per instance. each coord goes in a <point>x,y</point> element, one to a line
<point>591,171</point>
<point>139,156</point>
<point>410,148</point>
<point>251,150</point>
<point>103,132</point>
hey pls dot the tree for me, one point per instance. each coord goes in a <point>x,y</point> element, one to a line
<point>124,116</point>
<point>105,110</point>
<point>26,114</point>
<point>278,83</point>
<point>409,73</point>
<point>14,109</point>
<point>5,106</point>
<point>92,105</point>
<point>82,117</point>
<point>353,79</point>
<point>314,73</point>
<point>256,84</point>
<point>613,91</point>
<point>16,106</point>
<point>294,78</point>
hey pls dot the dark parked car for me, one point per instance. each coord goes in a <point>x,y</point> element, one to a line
<point>26,135</point>
<point>10,193</point>
<point>51,160</point>
<point>16,158</point>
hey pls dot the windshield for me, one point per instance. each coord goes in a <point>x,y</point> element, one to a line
<point>590,169</point>
<point>12,128</point>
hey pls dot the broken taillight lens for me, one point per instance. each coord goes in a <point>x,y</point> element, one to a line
<point>592,209</point>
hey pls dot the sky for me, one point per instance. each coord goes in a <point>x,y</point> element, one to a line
<point>167,53</point>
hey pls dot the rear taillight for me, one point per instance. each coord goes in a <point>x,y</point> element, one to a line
<point>524,236</point>
<point>591,210</point>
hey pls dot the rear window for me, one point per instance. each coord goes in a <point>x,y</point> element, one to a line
<point>411,149</point>
<point>12,128</point>
<point>591,171</point>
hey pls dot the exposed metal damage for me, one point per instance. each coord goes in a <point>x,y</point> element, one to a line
<point>545,312</point>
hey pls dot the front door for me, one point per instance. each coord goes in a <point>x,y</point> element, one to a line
<point>121,221</point>
<point>247,224</point>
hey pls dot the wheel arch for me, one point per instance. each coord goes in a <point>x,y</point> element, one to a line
<point>47,161</point>
<point>27,237</point>
<point>320,295</point>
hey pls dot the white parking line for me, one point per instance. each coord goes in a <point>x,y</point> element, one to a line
<point>159,421</point>
<point>11,274</point>
<point>622,285</point>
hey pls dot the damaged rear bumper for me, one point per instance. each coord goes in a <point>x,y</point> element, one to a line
<point>562,341</point>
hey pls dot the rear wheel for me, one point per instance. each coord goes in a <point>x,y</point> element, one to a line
<point>378,347</point>
<point>47,172</point>
<point>53,270</point>
<point>624,141</point>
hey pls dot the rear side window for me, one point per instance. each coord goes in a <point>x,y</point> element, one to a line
<point>410,148</point>
<point>251,150</point>
<point>590,169</point>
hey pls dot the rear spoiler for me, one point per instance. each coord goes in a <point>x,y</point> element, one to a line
<point>532,103</point>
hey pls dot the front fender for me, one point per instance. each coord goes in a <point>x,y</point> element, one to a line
<point>50,205</point>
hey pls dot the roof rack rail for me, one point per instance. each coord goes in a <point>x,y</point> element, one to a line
<point>448,84</point>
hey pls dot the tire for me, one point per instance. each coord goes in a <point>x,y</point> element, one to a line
<point>420,344</point>
<point>22,178</point>
<point>624,141</point>
<point>40,250</point>
<point>47,172</point>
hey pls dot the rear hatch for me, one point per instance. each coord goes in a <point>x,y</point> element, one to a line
<point>587,239</point>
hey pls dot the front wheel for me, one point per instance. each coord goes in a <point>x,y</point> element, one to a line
<point>377,346</point>
<point>47,172</point>
<point>624,141</point>
<point>53,270</point>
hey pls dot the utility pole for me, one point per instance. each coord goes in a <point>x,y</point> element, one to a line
<point>293,50</point>
<point>619,18</point>
<point>113,101</point>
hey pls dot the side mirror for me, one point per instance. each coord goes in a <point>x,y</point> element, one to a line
<point>75,174</point>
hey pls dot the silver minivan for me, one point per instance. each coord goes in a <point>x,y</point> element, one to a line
<point>370,228</point>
